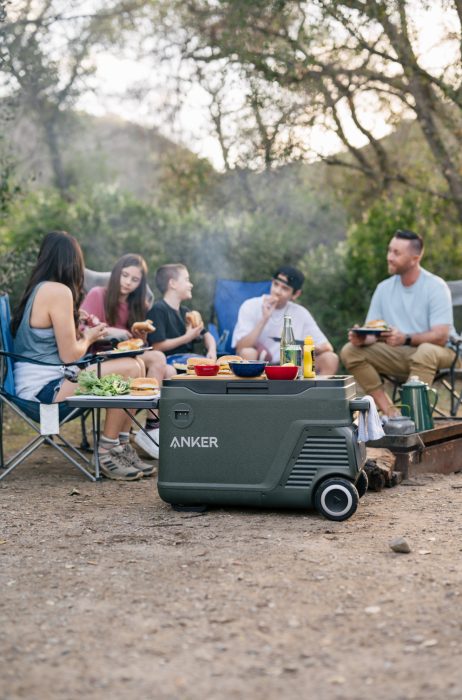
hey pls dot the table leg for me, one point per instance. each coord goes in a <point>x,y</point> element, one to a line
<point>141,427</point>
<point>95,425</point>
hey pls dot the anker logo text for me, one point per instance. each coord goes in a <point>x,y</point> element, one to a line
<point>203,441</point>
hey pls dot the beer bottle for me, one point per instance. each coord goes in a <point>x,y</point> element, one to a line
<point>290,350</point>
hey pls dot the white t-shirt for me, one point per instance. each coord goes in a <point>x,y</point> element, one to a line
<point>303,324</point>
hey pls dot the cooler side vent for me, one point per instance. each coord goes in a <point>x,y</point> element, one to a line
<point>318,453</point>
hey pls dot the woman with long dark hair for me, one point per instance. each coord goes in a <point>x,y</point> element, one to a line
<point>45,326</point>
<point>122,303</point>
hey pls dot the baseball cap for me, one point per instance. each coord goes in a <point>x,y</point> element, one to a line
<point>295,278</point>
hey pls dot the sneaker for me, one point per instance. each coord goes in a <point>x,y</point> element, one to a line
<point>147,444</point>
<point>133,459</point>
<point>114,465</point>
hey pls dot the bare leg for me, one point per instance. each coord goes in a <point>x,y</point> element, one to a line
<point>326,363</point>
<point>156,365</point>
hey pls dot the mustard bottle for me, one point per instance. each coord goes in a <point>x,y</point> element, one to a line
<point>308,358</point>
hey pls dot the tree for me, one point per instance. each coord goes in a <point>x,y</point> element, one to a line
<point>47,56</point>
<point>342,55</point>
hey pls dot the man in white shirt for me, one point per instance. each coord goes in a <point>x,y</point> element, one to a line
<point>259,324</point>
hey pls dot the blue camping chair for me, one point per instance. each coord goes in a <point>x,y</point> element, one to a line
<point>31,411</point>
<point>227,300</point>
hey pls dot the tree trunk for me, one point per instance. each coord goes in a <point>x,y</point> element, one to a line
<point>426,119</point>
<point>52,141</point>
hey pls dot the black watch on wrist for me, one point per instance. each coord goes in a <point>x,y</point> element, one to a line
<point>408,340</point>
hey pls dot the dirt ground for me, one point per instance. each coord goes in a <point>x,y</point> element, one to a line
<point>108,593</point>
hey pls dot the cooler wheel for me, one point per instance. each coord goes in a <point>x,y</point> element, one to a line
<point>336,499</point>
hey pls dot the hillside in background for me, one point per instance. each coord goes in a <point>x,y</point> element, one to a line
<point>322,198</point>
<point>94,149</point>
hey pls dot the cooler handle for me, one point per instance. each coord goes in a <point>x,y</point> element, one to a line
<point>247,388</point>
<point>359,405</point>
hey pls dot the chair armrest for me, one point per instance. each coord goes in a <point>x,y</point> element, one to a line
<point>21,358</point>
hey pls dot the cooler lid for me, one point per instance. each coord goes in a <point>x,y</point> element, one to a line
<point>274,387</point>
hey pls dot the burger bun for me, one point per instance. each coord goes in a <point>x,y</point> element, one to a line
<point>224,361</point>
<point>194,361</point>
<point>143,327</point>
<point>130,344</point>
<point>194,319</point>
<point>378,324</point>
<point>142,386</point>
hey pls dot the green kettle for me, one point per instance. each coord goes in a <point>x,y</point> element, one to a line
<point>415,398</point>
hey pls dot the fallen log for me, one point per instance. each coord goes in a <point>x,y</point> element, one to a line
<point>379,468</point>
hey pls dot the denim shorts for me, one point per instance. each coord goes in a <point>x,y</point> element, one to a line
<point>47,394</point>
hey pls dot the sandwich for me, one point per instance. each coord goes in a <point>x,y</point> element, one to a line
<point>143,327</point>
<point>144,386</point>
<point>193,319</point>
<point>224,363</point>
<point>130,344</point>
<point>377,324</point>
<point>193,361</point>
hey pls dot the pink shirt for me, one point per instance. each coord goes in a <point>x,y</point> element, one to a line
<point>94,304</point>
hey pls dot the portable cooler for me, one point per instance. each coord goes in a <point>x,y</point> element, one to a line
<point>286,444</point>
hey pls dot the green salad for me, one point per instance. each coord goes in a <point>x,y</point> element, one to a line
<point>110,385</point>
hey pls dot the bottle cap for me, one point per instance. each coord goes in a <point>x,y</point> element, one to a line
<point>308,340</point>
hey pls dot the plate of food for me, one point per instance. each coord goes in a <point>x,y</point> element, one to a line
<point>126,348</point>
<point>375,327</point>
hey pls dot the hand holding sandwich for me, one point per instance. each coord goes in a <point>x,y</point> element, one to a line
<point>194,326</point>
<point>140,329</point>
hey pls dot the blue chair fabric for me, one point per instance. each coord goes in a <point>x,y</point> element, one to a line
<point>228,298</point>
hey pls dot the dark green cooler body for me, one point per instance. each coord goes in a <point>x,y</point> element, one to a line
<point>256,442</point>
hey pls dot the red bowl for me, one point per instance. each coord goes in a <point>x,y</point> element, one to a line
<point>206,370</point>
<point>281,371</point>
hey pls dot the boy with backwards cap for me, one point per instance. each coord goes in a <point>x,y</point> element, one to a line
<point>261,319</point>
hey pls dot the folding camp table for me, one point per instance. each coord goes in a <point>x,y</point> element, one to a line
<point>126,403</point>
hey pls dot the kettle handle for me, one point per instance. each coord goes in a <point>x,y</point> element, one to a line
<point>404,405</point>
<point>433,391</point>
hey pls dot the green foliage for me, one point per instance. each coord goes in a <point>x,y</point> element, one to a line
<point>325,290</point>
<point>367,242</point>
<point>228,243</point>
<point>341,275</point>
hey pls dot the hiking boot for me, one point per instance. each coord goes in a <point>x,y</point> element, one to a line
<point>146,443</point>
<point>114,465</point>
<point>133,459</point>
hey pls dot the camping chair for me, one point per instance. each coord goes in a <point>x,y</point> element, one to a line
<point>446,377</point>
<point>227,300</point>
<point>40,417</point>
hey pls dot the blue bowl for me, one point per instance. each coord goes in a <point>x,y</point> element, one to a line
<point>247,369</point>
